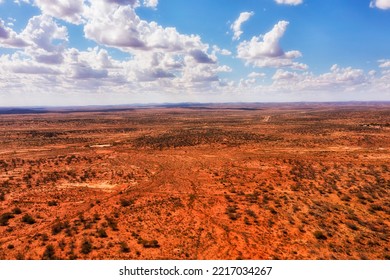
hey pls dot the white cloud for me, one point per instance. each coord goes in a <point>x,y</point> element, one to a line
<point>158,53</point>
<point>384,63</point>
<point>41,31</point>
<point>160,59</point>
<point>236,26</point>
<point>284,75</point>
<point>217,50</point>
<point>256,75</point>
<point>119,26</point>
<point>19,2</point>
<point>289,2</point>
<point>151,3</point>
<point>46,39</point>
<point>380,4</point>
<point>336,80</point>
<point>265,51</point>
<point>68,10</point>
<point>9,38</point>
<point>251,80</point>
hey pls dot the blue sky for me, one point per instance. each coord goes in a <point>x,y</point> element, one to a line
<point>82,52</point>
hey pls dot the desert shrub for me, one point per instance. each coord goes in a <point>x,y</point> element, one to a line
<point>62,244</point>
<point>96,217</point>
<point>231,211</point>
<point>49,253</point>
<point>16,211</point>
<point>52,203</point>
<point>28,219</point>
<point>44,237</point>
<point>57,227</point>
<point>251,213</point>
<point>319,235</point>
<point>273,211</point>
<point>112,223</point>
<point>2,196</point>
<point>126,202</point>
<point>345,198</point>
<point>86,247</point>
<point>149,243</point>
<point>374,208</point>
<point>10,246</point>
<point>124,247</point>
<point>102,233</point>
<point>4,218</point>
<point>351,226</point>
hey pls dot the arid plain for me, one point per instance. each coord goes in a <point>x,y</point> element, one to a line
<point>253,181</point>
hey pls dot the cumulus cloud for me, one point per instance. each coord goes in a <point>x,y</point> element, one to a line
<point>120,26</point>
<point>201,57</point>
<point>9,38</point>
<point>158,53</point>
<point>4,33</point>
<point>289,2</point>
<point>384,63</point>
<point>256,75</point>
<point>151,3</point>
<point>236,26</point>
<point>380,4</point>
<point>217,50</point>
<point>68,10</point>
<point>46,39</point>
<point>41,31</point>
<point>337,79</point>
<point>29,68</point>
<point>80,71</point>
<point>265,50</point>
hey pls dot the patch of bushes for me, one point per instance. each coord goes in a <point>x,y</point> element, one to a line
<point>149,243</point>
<point>58,226</point>
<point>112,223</point>
<point>124,247</point>
<point>28,219</point>
<point>231,211</point>
<point>374,208</point>
<point>5,217</point>
<point>86,247</point>
<point>52,203</point>
<point>320,235</point>
<point>16,211</point>
<point>49,253</point>
<point>351,226</point>
<point>126,202</point>
<point>102,233</point>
